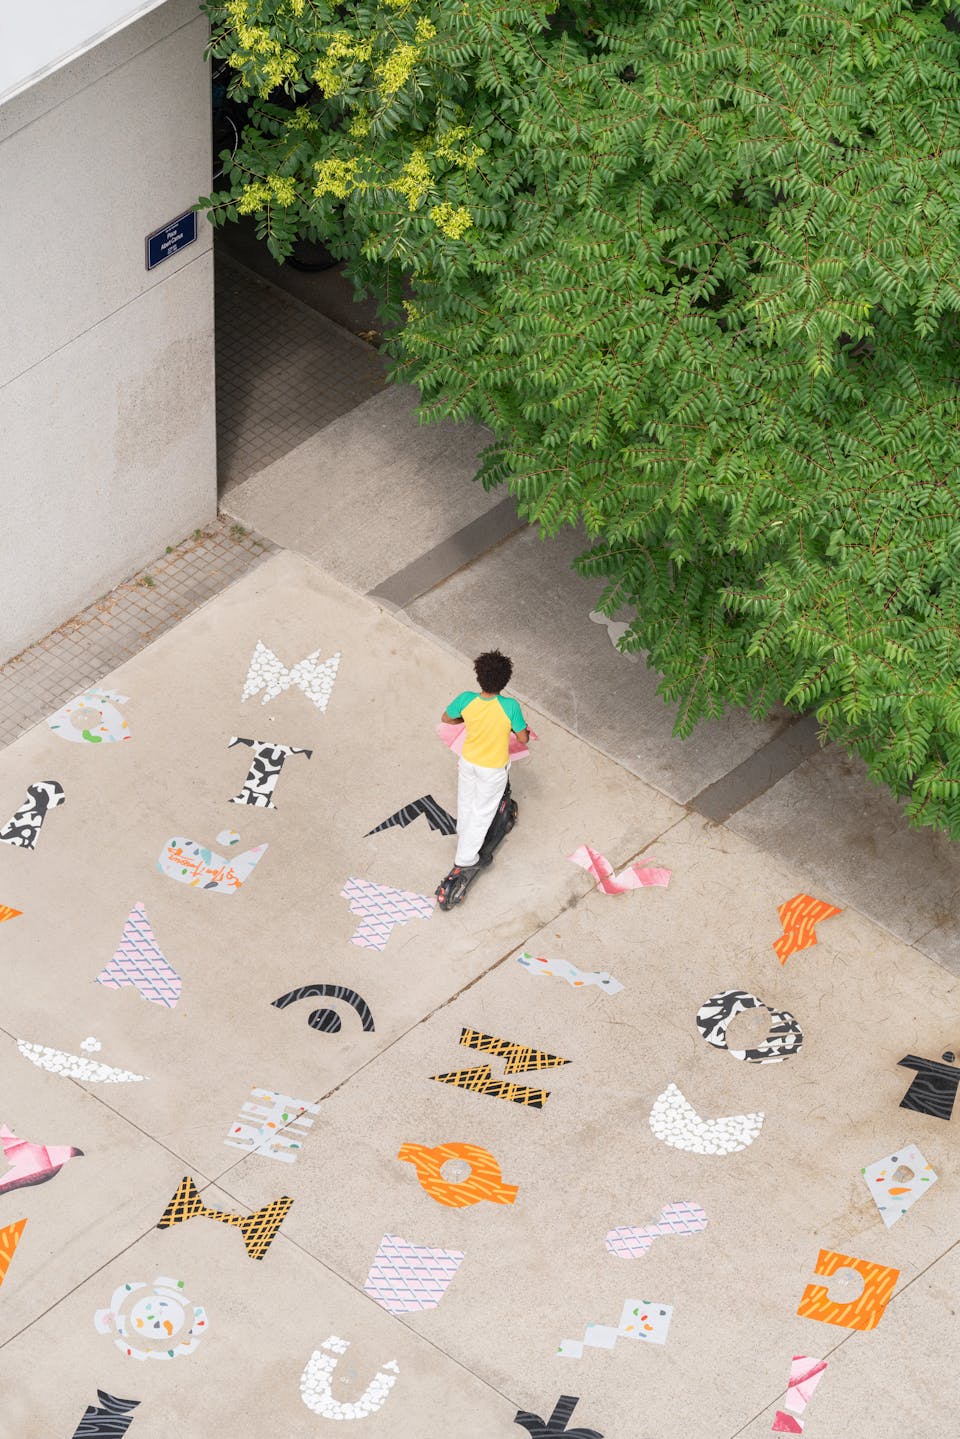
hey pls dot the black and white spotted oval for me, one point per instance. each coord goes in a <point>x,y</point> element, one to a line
<point>783,1040</point>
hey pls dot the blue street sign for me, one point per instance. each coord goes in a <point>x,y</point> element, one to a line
<point>171,238</point>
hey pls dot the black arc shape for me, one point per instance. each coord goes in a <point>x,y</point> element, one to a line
<point>327,1021</point>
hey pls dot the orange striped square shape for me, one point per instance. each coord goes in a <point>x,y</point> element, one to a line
<point>864,1312</point>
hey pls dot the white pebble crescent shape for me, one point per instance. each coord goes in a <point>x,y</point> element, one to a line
<point>677,1123</point>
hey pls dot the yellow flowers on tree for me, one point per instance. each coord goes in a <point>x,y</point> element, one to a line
<point>356,133</point>
<point>697,265</point>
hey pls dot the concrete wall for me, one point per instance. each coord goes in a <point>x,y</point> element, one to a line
<point>107,417</point>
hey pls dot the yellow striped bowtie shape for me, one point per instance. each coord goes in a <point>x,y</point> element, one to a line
<point>259,1229</point>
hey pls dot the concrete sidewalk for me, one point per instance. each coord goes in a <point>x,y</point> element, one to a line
<point>534,1272</point>
<point>390,507</point>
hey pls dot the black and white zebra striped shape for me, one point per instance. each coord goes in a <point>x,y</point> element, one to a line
<point>784,1038</point>
<point>435,814</point>
<point>110,1419</point>
<point>23,829</point>
<point>265,769</point>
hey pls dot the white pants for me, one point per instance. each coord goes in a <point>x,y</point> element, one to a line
<point>478,793</point>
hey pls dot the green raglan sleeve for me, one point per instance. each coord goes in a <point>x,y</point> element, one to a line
<point>514,714</point>
<point>456,707</point>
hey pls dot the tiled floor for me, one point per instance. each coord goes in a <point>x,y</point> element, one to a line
<point>122,623</point>
<point>283,372</point>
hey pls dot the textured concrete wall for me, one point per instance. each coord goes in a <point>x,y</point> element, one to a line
<point>107,419</point>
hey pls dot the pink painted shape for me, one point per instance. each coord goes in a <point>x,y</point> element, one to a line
<point>805,1375</point>
<point>636,876</point>
<point>681,1218</point>
<point>139,961</point>
<point>31,1163</point>
<point>786,1424</point>
<point>380,908</point>
<point>405,1277</point>
<point>453,736</point>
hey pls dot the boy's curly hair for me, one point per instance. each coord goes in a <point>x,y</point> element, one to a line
<point>493,671</point>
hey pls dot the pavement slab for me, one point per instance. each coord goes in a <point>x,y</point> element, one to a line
<point>828,818</point>
<point>525,597</point>
<point>276,1313</point>
<point>288,925</point>
<point>368,493</point>
<point>536,1271</point>
<point>587,1161</point>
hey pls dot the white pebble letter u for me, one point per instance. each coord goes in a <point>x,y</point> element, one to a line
<point>315,1380</point>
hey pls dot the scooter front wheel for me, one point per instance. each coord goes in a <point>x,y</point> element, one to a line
<point>451,890</point>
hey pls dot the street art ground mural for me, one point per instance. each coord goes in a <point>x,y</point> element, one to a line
<point>429,1262</point>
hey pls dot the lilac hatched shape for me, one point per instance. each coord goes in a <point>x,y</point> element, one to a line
<point>681,1218</point>
<point>405,1277</point>
<point>139,962</point>
<point>381,907</point>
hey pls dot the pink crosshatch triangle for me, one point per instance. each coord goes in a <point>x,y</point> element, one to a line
<point>139,961</point>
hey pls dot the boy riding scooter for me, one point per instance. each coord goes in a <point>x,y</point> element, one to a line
<point>485,810</point>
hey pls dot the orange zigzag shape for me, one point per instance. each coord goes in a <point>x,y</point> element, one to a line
<point>9,1239</point>
<point>799,916</point>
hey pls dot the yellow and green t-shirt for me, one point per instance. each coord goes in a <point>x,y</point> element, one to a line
<point>488,722</point>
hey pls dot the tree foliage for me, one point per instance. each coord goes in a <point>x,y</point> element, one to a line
<point>697,265</point>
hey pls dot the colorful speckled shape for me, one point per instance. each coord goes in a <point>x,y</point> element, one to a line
<point>640,1319</point>
<point>893,1191</point>
<point>91,718</point>
<point>155,1321</point>
<point>195,865</point>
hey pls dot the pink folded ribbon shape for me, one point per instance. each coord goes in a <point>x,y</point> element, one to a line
<point>635,876</point>
<point>805,1375</point>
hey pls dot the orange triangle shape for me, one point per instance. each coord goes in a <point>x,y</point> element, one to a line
<point>9,1239</point>
<point>6,912</point>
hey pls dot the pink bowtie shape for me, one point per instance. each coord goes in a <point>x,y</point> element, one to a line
<point>635,876</point>
<point>681,1218</point>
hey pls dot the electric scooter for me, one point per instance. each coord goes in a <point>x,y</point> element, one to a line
<point>452,889</point>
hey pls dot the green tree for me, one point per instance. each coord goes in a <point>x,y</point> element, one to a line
<point>697,265</point>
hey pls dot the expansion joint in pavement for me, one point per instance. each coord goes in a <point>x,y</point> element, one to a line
<point>796,741</point>
<point>444,560</point>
